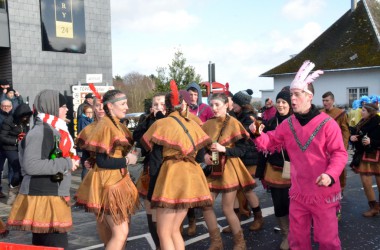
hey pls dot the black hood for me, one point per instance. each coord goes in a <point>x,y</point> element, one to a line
<point>22,110</point>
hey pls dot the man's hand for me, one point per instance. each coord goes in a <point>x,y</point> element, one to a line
<point>323,180</point>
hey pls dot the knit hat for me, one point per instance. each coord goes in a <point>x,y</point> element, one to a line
<point>89,95</point>
<point>10,89</point>
<point>62,100</point>
<point>243,97</point>
<point>285,95</point>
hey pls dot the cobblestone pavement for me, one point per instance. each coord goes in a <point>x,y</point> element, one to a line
<point>356,232</point>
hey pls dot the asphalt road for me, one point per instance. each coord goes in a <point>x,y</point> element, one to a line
<point>356,232</point>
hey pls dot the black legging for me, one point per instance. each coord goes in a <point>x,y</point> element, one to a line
<point>280,198</point>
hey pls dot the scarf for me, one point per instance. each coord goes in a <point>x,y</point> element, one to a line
<point>66,143</point>
<point>305,118</point>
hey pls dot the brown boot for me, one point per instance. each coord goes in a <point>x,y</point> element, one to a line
<point>192,229</point>
<point>284,225</point>
<point>258,221</point>
<point>216,240</point>
<point>374,209</point>
<point>239,242</point>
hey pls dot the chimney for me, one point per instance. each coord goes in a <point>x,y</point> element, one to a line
<point>353,5</point>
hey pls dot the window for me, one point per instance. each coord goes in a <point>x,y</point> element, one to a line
<point>356,93</point>
<point>3,4</point>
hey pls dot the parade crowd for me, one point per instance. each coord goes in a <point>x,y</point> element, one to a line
<point>192,152</point>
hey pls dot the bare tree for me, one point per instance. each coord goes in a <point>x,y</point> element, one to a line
<point>137,87</point>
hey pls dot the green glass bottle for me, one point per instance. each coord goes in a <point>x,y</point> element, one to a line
<point>56,153</point>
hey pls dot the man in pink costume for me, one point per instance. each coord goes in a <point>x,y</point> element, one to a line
<point>317,157</point>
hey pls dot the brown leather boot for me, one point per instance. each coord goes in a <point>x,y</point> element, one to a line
<point>239,242</point>
<point>284,225</point>
<point>216,240</point>
<point>374,209</point>
<point>192,229</point>
<point>258,221</point>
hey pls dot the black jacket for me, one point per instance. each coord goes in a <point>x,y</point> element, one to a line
<point>12,127</point>
<point>372,130</point>
<point>250,157</point>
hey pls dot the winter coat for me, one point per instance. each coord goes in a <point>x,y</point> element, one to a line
<point>12,128</point>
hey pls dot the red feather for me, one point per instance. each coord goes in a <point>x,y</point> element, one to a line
<point>175,95</point>
<point>227,86</point>
<point>96,93</point>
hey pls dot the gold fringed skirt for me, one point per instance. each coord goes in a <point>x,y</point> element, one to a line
<point>181,185</point>
<point>40,214</point>
<point>235,176</point>
<point>106,191</point>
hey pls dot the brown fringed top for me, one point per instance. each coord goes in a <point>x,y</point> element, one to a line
<point>232,132</point>
<point>105,137</point>
<point>168,132</point>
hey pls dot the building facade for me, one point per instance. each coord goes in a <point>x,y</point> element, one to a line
<point>348,52</point>
<point>54,44</point>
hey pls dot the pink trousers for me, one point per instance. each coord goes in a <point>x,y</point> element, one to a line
<point>325,225</point>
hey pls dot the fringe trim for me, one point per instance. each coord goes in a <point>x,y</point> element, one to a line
<point>120,203</point>
<point>249,187</point>
<point>315,199</point>
<point>223,190</point>
<point>161,204</point>
<point>28,227</point>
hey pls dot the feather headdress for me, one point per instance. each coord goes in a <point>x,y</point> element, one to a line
<point>95,92</point>
<point>302,78</point>
<point>174,99</point>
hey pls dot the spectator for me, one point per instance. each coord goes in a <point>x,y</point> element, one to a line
<point>4,84</point>
<point>366,139</point>
<point>270,110</point>
<point>12,132</point>
<point>89,100</point>
<point>85,118</point>
<point>202,110</point>
<point>340,116</point>
<point>270,168</point>
<point>13,96</point>
<point>5,111</point>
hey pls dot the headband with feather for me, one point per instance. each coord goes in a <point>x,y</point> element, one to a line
<point>95,92</point>
<point>303,79</point>
<point>174,95</point>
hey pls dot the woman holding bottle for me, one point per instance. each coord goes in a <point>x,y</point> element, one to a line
<point>229,138</point>
<point>177,179</point>
<point>43,203</point>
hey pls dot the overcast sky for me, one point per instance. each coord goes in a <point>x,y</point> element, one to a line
<point>244,38</point>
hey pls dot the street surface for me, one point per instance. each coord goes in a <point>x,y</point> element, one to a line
<point>356,232</point>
